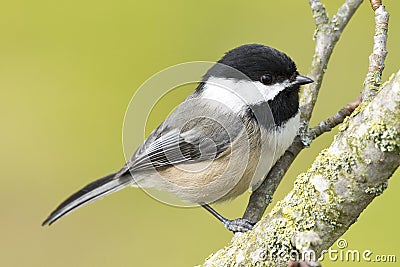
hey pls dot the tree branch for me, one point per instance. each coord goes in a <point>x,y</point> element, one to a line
<point>330,196</point>
<point>373,80</point>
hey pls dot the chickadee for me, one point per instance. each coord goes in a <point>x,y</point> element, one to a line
<point>220,141</point>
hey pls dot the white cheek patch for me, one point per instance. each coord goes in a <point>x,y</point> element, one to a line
<point>237,95</point>
<point>270,91</point>
<point>223,91</point>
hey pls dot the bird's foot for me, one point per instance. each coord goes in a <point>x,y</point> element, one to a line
<point>238,225</point>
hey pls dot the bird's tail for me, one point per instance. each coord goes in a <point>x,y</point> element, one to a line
<point>99,188</point>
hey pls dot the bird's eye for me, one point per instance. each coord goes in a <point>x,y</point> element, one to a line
<point>266,79</point>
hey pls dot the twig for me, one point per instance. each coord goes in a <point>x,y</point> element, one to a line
<point>321,19</point>
<point>375,4</point>
<point>326,36</point>
<point>330,123</point>
<point>373,80</point>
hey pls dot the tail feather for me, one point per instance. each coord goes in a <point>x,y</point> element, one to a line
<point>89,193</point>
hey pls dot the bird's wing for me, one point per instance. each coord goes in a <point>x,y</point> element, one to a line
<point>179,140</point>
<point>174,146</point>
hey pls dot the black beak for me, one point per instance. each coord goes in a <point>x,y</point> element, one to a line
<point>301,80</point>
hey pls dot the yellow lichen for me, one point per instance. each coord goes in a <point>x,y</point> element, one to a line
<point>385,137</point>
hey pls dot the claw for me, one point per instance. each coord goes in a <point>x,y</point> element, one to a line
<point>239,225</point>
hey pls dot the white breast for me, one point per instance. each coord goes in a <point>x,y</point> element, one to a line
<point>274,145</point>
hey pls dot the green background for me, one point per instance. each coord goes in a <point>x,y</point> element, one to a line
<point>68,70</point>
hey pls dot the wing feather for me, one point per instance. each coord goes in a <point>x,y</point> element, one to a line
<point>172,148</point>
<point>179,140</point>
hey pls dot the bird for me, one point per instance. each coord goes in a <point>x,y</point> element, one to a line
<point>220,141</point>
